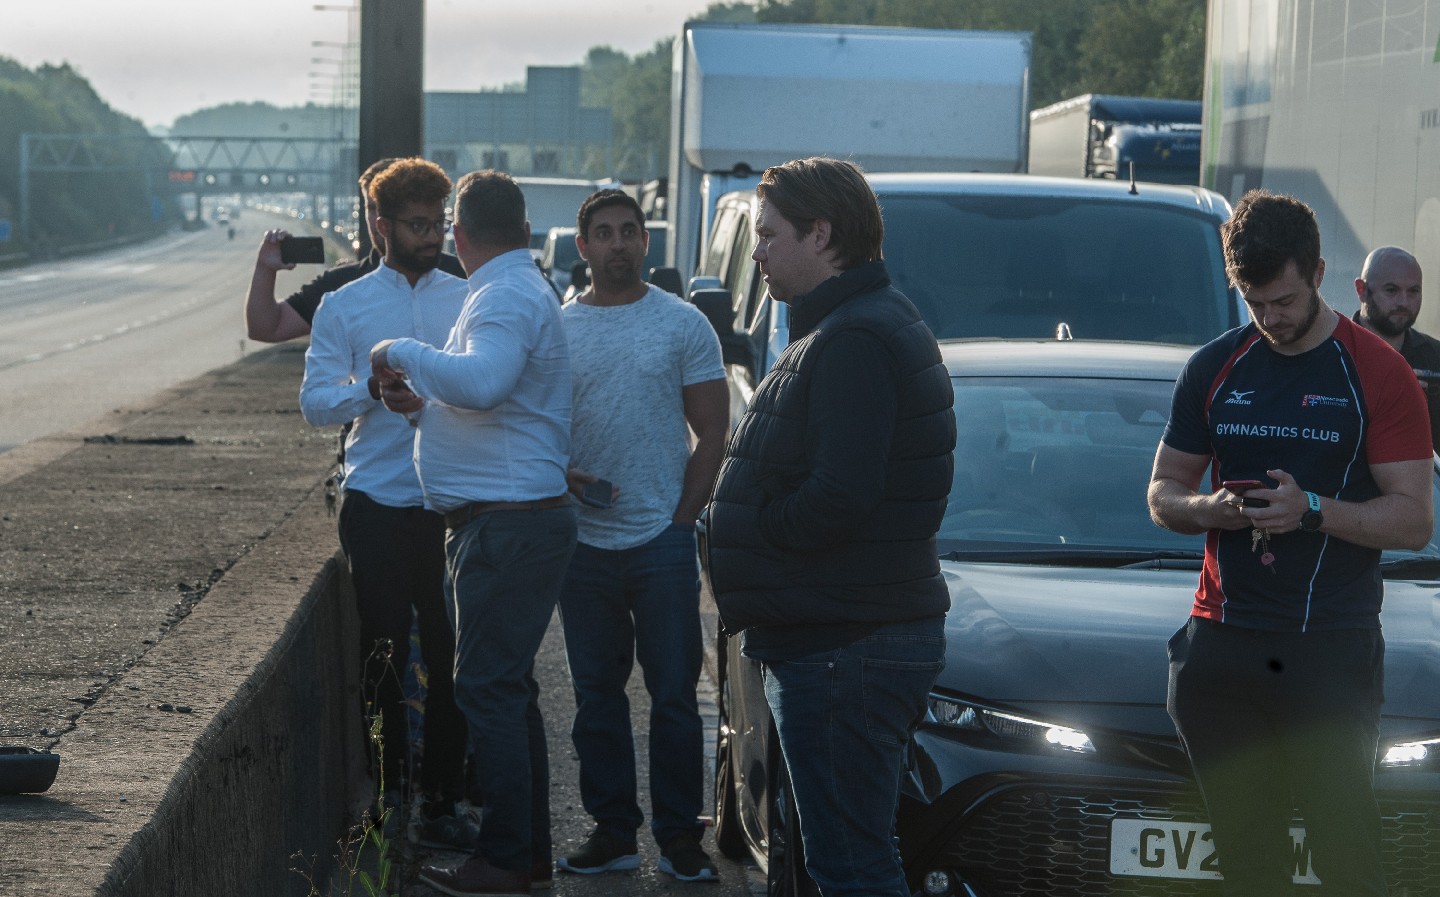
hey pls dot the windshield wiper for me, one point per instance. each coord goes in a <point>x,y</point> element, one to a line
<point>1169,560</point>
<point>1122,558</point>
<point>1411,568</point>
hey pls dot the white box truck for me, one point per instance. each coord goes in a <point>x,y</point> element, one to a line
<point>554,202</point>
<point>1337,103</point>
<point>1102,136</point>
<point>745,97</point>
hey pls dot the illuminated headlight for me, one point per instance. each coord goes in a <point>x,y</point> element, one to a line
<point>960,715</point>
<point>1410,753</point>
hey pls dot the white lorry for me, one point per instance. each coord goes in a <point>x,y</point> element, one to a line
<point>745,97</point>
<point>554,202</point>
<point>1340,108</point>
<point>1102,136</point>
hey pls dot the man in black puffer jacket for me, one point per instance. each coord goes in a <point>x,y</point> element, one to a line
<point>822,526</point>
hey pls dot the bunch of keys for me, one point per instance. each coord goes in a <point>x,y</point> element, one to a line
<point>1260,539</point>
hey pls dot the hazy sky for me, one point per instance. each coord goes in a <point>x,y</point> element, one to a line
<point>158,59</point>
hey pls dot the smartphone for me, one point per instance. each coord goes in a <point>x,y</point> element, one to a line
<point>1239,487</point>
<point>302,250</point>
<point>597,494</point>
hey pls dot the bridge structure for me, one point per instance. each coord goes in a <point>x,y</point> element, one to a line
<point>322,167</point>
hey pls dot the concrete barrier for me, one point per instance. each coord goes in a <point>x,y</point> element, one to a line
<point>205,741</point>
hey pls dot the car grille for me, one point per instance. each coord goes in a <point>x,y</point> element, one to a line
<point>1032,841</point>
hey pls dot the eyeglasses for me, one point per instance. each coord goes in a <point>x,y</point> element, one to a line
<point>423,226</point>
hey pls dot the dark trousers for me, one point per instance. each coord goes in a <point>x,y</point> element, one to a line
<point>397,565</point>
<point>1275,721</point>
<point>505,572</point>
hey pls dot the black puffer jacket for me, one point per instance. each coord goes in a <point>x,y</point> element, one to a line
<point>835,480</point>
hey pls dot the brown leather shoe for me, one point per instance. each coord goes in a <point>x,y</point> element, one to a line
<point>477,876</point>
<point>542,874</point>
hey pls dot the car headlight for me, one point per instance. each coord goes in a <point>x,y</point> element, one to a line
<point>951,713</point>
<point>1410,753</point>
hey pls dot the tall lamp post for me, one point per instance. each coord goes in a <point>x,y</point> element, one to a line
<point>392,93</point>
<point>345,104</point>
<point>343,129</point>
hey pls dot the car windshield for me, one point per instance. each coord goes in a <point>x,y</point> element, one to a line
<point>1056,469</point>
<point>1008,267</point>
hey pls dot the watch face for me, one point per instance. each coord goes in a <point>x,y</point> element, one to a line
<point>1310,521</point>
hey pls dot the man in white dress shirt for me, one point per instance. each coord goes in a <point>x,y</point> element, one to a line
<point>394,546</point>
<point>494,415</point>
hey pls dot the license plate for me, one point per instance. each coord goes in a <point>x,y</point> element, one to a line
<point>1154,848</point>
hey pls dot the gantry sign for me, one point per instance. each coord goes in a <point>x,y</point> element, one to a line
<point>193,164</point>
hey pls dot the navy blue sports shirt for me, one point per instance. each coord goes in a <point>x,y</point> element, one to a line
<point>1324,417</point>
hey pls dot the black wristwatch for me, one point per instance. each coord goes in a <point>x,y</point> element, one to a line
<point>1312,519</point>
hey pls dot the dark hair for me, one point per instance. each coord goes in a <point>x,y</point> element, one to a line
<point>604,199</point>
<point>808,190</point>
<point>1266,231</point>
<point>490,209</point>
<point>406,181</point>
<point>368,175</point>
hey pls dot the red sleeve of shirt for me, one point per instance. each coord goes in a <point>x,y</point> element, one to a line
<point>1398,428</point>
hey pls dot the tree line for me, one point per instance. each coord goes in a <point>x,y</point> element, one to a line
<point>72,208</point>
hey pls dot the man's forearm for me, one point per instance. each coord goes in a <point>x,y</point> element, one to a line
<point>1389,521</point>
<point>700,473</point>
<point>1179,509</point>
<point>262,315</point>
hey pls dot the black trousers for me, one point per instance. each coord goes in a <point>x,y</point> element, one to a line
<point>1275,721</point>
<point>397,564</point>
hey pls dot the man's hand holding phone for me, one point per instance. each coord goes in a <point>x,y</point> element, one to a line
<point>591,490</point>
<point>1239,487</point>
<point>302,250</point>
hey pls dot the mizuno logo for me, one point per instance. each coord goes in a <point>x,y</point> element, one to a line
<point>1239,398</point>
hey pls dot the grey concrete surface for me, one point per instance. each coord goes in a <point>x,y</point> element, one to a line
<point>171,607</point>
<point>167,601</point>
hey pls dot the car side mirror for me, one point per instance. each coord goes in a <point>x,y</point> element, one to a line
<point>715,305</point>
<point>667,279</point>
<point>703,282</point>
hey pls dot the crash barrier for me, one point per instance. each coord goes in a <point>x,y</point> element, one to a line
<point>259,805</point>
<point>217,748</point>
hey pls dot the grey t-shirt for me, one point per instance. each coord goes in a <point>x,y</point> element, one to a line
<point>629,364</point>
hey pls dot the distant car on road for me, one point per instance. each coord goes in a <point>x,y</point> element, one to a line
<point>1047,763</point>
<point>558,255</point>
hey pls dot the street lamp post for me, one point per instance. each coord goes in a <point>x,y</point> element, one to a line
<point>344,92</point>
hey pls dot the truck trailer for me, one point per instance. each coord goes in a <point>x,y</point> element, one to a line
<point>554,202</point>
<point>1337,103</point>
<point>1101,136</point>
<point>745,97</point>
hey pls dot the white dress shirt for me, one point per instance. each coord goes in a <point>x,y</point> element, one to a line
<point>496,420</point>
<point>379,452</point>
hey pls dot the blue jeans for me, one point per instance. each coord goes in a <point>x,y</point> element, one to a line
<point>618,605</point>
<point>504,571</point>
<point>844,718</point>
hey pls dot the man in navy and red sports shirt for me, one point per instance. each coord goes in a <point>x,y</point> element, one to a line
<point>1276,679</point>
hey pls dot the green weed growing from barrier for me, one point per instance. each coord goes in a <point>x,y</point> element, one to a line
<point>367,861</point>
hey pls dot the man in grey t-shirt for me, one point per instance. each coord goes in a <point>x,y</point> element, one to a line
<point>646,370</point>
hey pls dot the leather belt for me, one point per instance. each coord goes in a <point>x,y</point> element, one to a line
<point>466,513</point>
